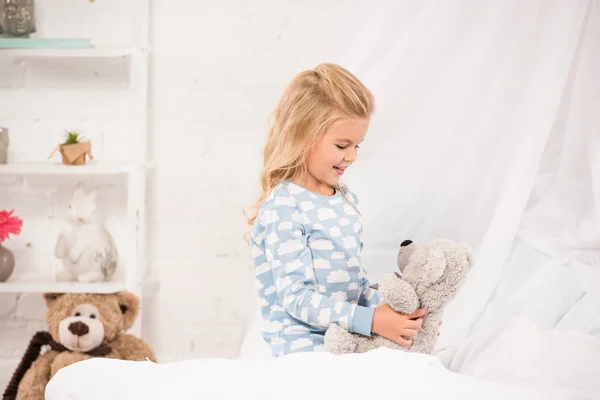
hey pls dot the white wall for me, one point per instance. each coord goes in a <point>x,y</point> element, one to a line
<point>217,69</point>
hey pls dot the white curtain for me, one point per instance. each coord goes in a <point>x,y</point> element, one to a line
<point>487,131</point>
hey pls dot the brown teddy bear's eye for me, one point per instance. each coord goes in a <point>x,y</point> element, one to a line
<point>93,316</point>
<point>78,314</point>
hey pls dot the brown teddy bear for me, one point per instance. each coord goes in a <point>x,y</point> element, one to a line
<point>80,326</point>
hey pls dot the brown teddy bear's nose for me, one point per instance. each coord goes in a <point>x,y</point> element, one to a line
<point>78,328</point>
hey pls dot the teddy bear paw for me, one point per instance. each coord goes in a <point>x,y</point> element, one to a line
<point>339,341</point>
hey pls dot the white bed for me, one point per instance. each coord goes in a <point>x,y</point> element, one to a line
<point>517,361</point>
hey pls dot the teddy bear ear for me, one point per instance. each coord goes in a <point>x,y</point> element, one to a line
<point>129,304</point>
<point>50,298</point>
<point>436,265</point>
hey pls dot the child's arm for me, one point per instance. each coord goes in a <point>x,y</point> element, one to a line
<point>369,297</point>
<point>288,257</point>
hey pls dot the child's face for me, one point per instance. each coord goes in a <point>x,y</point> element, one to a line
<point>334,153</point>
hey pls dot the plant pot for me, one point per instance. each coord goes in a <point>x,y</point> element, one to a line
<point>75,154</point>
<point>4,141</point>
<point>7,263</point>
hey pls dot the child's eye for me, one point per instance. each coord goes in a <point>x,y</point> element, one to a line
<point>339,146</point>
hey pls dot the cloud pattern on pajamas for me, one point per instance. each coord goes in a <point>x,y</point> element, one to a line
<point>306,253</point>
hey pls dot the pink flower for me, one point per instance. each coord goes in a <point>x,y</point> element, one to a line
<point>9,225</point>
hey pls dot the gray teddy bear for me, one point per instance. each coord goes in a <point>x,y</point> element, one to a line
<point>429,277</point>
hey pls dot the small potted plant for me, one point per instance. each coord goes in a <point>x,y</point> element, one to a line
<point>74,150</point>
<point>9,225</point>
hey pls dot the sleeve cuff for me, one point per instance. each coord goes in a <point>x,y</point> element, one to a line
<point>362,322</point>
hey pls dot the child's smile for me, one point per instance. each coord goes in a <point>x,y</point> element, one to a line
<point>339,169</point>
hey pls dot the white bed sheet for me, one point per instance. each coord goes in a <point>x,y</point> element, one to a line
<point>517,361</point>
<point>522,352</point>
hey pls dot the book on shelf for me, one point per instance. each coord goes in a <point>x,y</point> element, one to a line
<point>45,43</point>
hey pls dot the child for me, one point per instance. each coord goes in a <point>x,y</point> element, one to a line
<point>306,236</point>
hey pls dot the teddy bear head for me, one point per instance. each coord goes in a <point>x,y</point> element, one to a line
<point>435,269</point>
<point>82,321</point>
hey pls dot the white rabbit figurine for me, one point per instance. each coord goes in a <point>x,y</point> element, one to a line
<point>87,249</point>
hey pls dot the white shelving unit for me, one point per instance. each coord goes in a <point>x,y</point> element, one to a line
<point>93,52</point>
<point>53,168</point>
<point>61,287</point>
<point>136,55</point>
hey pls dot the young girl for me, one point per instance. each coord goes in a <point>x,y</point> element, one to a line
<point>306,236</point>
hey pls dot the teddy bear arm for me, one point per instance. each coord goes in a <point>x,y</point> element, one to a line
<point>65,359</point>
<point>132,348</point>
<point>402,297</point>
<point>426,340</point>
<point>33,384</point>
<point>339,341</point>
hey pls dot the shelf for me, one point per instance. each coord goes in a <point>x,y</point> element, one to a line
<point>57,168</point>
<point>60,287</point>
<point>93,52</point>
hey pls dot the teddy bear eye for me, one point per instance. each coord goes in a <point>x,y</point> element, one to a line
<point>93,316</point>
<point>78,314</point>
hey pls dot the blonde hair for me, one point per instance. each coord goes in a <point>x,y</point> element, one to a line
<point>310,104</point>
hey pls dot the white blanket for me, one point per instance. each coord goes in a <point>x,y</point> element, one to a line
<point>516,362</point>
<point>521,352</point>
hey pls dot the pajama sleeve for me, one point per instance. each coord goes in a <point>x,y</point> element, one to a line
<point>369,296</point>
<point>289,258</point>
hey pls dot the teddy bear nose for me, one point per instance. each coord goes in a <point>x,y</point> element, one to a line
<point>78,328</point>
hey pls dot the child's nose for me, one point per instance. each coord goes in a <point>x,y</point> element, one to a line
<point>350,156</point>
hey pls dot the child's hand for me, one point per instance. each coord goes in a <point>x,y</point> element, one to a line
<point>393,325</point>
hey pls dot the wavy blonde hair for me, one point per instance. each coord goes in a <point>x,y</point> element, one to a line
<point>310,104</point>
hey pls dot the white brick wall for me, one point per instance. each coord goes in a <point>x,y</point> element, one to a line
<point>217,69</point>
